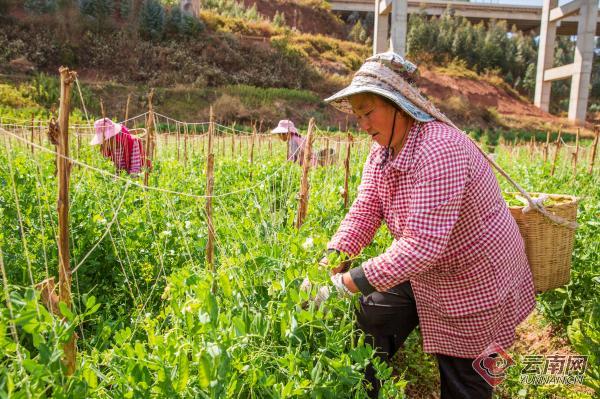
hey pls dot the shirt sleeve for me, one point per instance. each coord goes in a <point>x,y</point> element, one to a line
<point>364,217</point>
<point>434,208</point>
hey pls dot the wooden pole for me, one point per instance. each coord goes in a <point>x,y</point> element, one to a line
<point>178,140</point>
<point>233,140</point>
<point>127,110</point>
<point>556,152</point>
<point>347,169</point>
<point>594,148</point>
<point>64,272</point>
<point>252,149</point>
<point>185,144</point>
<point>576,153</point>
<point>546,146</point>
<point>304,186</point>
<point>149,134</point>
<point>210,160</point>
<point>32,132</point>
<point>270,146</point>
<point>531,147</point>
<point>223,139</point>
<point>103,144</point>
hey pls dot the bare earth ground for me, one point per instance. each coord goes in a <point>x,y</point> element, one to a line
<point>534,337</point>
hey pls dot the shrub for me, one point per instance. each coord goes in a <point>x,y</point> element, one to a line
<point>40,6</point>
<point>279,19</point>
<point>100,10</point>
<point>11,97</point>
<point>230,108</point>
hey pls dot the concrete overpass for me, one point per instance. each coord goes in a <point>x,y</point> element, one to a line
<point>525,18</point>
<point>578,17</point>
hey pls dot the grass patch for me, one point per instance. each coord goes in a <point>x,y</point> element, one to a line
<point>258,96</point>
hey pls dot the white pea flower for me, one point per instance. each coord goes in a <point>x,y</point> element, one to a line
<point>203,318</point>
<point>308,244</point>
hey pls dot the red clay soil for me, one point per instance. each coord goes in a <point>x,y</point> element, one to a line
<point>304,18</point>
<point>513,111</point>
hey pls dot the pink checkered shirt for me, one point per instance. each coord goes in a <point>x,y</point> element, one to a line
<point>454,239</point>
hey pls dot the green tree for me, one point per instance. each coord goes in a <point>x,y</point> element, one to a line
<point>152,20</point>
<point>100,10</point>
<point>40,6</point>
<point>279,19</point>
<point>358,33</point>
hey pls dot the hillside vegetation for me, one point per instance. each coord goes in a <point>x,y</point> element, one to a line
<point>133,45</point>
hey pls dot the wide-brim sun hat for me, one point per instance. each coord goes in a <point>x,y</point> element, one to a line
<point>105,129</point>
<point>285,126</point>
<point>391,76</point>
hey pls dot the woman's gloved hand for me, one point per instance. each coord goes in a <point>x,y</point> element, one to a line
<point>335,261</point>
<point>321,296</point>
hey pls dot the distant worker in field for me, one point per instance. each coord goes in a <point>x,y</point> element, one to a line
<point>125,150</point>
<point>286,131</point>
<point>457,265</point>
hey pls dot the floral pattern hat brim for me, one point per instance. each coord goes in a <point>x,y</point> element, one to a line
<point>391,76</point>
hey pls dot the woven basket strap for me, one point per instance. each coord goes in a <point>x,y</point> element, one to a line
<point>532,204</point>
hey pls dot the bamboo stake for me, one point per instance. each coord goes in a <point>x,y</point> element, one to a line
<point>270,147</point>
<point>103,144</point>
<point>223,138</point>
<point>233,140</point>
<point>576,153</point>
<point>149,134</point>
<point>594,148</point>
<point>64,272</point>
<point>556,152</point>
<point>304,186</point>
<point>252,149</point>
<point>185,144</point>
<point>210,160</point>
<point>127,110</point>
<point>546,146</point>
<point>531,147</point>
<point>32,132</point>
<point>347,170</point>
<point>178,141</point>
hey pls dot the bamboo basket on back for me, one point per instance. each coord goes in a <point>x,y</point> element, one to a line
<point>548,244</point>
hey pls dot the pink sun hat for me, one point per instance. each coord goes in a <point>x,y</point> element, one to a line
<point>106,126</point>
<point>285,126</point>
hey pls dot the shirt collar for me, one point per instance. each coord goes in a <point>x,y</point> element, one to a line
<point>404,159</point>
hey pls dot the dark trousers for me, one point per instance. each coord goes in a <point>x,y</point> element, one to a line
<point>388,318</point>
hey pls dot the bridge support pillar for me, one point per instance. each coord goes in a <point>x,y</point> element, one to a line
<point>584,56</point>
<point>541,98</point>
<point>381,31</point>
<point>399,26</point>
<point>581,69</point>
<point>394,13</point>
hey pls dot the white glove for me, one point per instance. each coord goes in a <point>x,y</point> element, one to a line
<point>322,293</point>
<point>338,283</point>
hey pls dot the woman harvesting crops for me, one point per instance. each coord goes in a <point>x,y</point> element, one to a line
<point>117,144</point>
<point>287,132</point>
<point>457,266</point>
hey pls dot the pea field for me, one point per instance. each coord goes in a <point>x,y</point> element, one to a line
<point>152,319</point>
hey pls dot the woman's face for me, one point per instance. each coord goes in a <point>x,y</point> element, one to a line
<point>375,116</point>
